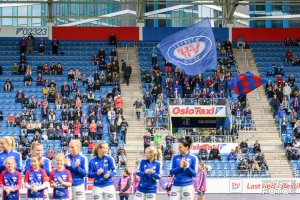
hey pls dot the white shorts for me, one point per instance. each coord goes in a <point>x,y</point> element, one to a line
<point>144,196</point>
<point>104,193</point>
<point>182,192</point>
<point>78,192</point>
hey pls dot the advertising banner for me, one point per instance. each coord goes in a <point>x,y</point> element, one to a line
<point>197,111</point>
<point>223,147</point>
<point>20,31</point>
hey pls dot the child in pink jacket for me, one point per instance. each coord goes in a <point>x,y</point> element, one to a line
<point>200,182</point>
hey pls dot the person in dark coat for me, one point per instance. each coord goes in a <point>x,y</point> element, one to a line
<point>127,74</point>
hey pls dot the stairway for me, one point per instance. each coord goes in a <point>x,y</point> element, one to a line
<point>136,128</point>
<point>266,131</point>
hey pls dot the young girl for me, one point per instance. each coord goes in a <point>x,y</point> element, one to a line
<point>184,168</point>
<point>60,179</point>
<point>10,180</point>
<point>125,185</point>
<point>36,180</point>
<point>149,171</point>
<point>200,183</point>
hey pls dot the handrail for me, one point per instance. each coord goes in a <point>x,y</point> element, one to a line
<point>127,56</point>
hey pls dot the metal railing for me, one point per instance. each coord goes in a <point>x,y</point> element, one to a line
<point>193,101</point>
<point>210,138</point>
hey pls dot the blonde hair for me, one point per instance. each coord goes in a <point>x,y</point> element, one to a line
<point>157,154</point>
<point>37,157</point>
<point>10,141</point>
<point>12,159</point>
<point>36,144</point>
<point>77,143</point>
<point>60,155</point>
<point>203,167</point>
<point>99,146</point>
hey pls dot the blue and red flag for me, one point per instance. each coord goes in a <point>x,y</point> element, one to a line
<point>245,83</point>
<point>192,49</point>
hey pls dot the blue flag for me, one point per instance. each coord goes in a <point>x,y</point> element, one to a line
<point>192,49</point>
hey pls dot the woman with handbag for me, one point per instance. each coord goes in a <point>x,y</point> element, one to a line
<point>184,168</point>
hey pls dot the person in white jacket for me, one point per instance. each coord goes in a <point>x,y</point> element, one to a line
<point>287,91</point>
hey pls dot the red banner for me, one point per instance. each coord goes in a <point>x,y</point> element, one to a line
<point>95,33</point>
<point>265,34</point>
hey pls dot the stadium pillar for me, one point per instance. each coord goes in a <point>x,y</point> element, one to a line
<point>230,26</point>
<point>141,26</point>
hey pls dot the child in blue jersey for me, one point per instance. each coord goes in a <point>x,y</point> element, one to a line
<point>60,179</point>
<point>7,145</point>
<point>102,169</point>
<point>38,149</point>
<point>77,164</point>
<point>184,167</point>
<point>149,171</point>
<point>36,180</point>
<point>10,180</point>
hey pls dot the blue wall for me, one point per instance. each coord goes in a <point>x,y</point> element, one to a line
<point>157,34</point>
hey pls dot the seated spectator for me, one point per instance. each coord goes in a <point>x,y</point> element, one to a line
<point>53,69</point>
<point>203,153</point>
<point>168,153</point>
<point>65,89</point>
<point>71,75</point>
<point>39,80</point>
<point>215,153</point>
<point>15,69</point>
<point>113,54</point>
<point>232,155</point>
<point>46,69</point>
<point>50,154</point>
<point>59,69</point>
<point>19,97</point>
<point>290,153</point>
<point>11,120</point>
<point>112,40</point>
<point>8,86</point>
<point>244,146</point>
<point>101,54</point>
<point>256,149</point>
<point>27,79</point>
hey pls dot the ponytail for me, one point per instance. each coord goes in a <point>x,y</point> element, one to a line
<point>159,155</point>
<point>186,141</point>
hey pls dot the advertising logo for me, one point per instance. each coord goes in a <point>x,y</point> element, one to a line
<point>236,186</point>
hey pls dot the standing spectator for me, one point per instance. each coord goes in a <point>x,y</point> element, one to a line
<point>112,40</point>
<point>30,44</point>
<point>138,107</point>
<point>154,56</point>
<point>124,126</point>
<point>23,45</point>
<point>42,46</point>
<point>127,73</point>
<point>287,91</point>
<point>55,45</point>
